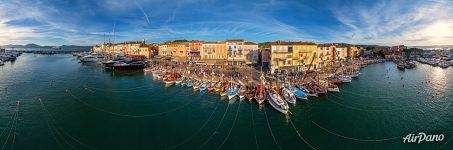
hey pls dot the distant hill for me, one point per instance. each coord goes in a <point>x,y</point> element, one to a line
<point>33,47</point>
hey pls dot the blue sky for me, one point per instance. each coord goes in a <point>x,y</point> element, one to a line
<point>84,22</point>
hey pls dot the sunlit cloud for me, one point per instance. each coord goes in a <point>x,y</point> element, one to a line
<point>82,22</point>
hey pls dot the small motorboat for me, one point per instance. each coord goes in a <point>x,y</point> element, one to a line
<point>260,94</point>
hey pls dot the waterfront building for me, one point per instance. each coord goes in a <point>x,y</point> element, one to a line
<point>265,57</point>
<point>178,50</point>
<point>97,49</point>
<point>194,50</point>
<point>132,48</point>
<point>214,53</point>
<point>145,50</point>
<point>281,56</point>
<point>241,53</point>
<point>303,53</point>
<point>162,50</point>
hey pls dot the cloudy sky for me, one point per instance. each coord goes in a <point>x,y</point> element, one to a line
<point>85,22</point>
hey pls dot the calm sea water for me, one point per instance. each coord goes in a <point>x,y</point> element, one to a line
<point>67,105</point>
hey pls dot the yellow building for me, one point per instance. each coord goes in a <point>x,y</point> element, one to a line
<point>281,55</point>
<point>303,53</point>
<point>214,51</point>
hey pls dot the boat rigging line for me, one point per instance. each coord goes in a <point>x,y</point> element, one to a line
<point>198,131</point>
<point>232,126</point>
<point>361,109</point>
<point>372,140</point>
<point>126,115</point>
<point>300,135</point>
<point>270,130</point>
<point>215,131</point>
<point>60,130</point>
<point>13,127</point>
<point>253,126</point>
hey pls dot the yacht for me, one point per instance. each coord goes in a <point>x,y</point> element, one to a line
<point>92,58</point>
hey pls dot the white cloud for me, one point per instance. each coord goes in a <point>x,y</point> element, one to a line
<point>396,22</point>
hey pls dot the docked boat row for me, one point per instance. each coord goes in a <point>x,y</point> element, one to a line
<point>280,92</point>
<point>436,62</point>
<point>403,64</point>
<point>8,56</point>
<point>117,63</point>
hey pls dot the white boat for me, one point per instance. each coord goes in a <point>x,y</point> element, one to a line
<point>1,63</point>
<point>346,79</point>
<point>333,88</point>
<point>178,81</point>
<point>289,96</point>
<point>203,86</point>
<point>444,64</point>
<point>92,58</point>
<point>277,102</point>
<point>232,91</point>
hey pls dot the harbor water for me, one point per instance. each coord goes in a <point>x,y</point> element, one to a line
<point>67,105</point>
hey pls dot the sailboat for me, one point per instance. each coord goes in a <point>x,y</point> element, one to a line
<point>232,91</point>
<point>250,93</point>
<point>260,92</point>
<point>276,101</point>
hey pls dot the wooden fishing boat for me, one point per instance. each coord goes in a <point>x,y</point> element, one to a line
<point>224,89</point>
<point>242,91</point>
<point>196,85</point>
<point>218,86</point>
<point>333,88</point>
<point>211,87</point>
<point>250,93</point>
<point>233,91</point>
